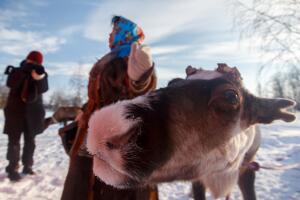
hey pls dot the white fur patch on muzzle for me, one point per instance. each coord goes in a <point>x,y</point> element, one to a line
<point>107,123</point>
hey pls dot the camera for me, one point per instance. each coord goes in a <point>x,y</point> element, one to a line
<point>9,69</point>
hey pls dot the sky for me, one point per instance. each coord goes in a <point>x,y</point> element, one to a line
<point>72,35</point>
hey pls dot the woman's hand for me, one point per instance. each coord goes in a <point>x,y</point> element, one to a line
<point>140,60</point>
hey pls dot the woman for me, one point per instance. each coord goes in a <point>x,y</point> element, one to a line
<point>124,73</point>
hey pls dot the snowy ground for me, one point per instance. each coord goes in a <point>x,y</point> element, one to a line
<point>281,146</point>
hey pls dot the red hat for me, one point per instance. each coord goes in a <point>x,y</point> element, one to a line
<point>36,57</point>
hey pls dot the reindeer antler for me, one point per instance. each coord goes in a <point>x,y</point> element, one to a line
<point>231,72</point>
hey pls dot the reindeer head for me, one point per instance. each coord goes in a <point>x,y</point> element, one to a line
<point>169,134</point>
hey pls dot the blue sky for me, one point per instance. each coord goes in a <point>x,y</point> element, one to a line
<point>75,33</point>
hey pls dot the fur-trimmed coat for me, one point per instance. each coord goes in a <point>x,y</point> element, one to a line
<point>108,83</point>
<point>25,114</point>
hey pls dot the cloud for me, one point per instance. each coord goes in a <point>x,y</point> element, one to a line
<point>157,19</point>
<point>168,74</point>
<point>161,50</point>
<point>39,3</point>
<point>13,11</point>
<point>229,50</point>
<point>18,41</point>
<point>69,68</point>
<point>15,42</point>
<point>18,12</point>
<point>72,29</point>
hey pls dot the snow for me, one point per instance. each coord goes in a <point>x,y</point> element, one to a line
<point>280,147</point>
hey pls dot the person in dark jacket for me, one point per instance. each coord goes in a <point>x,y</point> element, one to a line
<point>24,111</point>
<point>125,72</point>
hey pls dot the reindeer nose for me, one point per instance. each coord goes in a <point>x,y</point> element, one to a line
<point>110,146</point>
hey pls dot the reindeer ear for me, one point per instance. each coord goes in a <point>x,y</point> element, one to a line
<point>268,110</point>
<point>189,70</point>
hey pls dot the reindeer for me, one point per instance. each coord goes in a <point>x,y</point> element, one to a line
<point>62,114</point>
<point>198,129</point>
<point>68,132</point>
<point>246,180</point>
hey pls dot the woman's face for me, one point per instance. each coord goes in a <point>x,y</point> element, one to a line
<point>111,37</point>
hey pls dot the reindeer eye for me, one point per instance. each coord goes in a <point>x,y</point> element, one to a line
<point>231,97</point>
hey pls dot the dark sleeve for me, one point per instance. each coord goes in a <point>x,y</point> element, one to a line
<point>42,85</point>
<point>15,78</point>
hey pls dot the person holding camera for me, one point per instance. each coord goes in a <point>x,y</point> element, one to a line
<point>24,111</point>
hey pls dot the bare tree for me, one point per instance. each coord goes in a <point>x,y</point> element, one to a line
<point>274,25</point>
<point>3,90</point>
<point>78,85</point>
<point>76,96</point>
<point>286,85</point>
<point>59,98</point>
<point>293,85</point>
<point>277,82</point>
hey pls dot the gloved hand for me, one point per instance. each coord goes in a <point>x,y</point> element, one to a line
<point>28,67</point>
<point>140,60</point>
<point>37,76</point>
<point>38,72</point>
<point>39,69</point>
